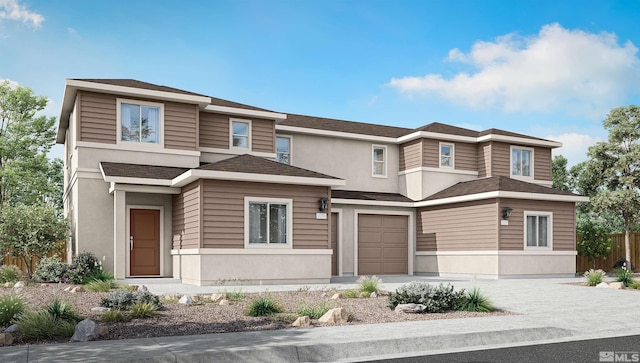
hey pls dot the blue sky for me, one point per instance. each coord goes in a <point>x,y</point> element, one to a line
<point>550,69</point>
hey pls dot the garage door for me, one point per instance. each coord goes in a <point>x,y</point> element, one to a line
<point>383,244</point>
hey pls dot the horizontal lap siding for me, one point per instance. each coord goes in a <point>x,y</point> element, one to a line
<point>430,153</point>
<point>468,226</point>
<point>500,159</point>
<point>180,126</point>
<point>466,157</point>
<point>411,155</point>
<point>564,234</point>
<point>186,217</point>
<point>263,135</point>
<point>223,212</point>
<point>214,130</point>
<point>96,117</point>
<point>484,160</point>
<point>542,163</point>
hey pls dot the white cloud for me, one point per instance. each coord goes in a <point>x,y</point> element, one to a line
<point>13,10</point>
<point>557,69</point>
<point>574,146</point>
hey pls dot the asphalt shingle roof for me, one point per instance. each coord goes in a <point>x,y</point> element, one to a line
<point>141,171</point>
<point>256,165</point>
<point>360,195</point>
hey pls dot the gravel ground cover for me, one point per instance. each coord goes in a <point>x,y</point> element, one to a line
<point>206,317</point>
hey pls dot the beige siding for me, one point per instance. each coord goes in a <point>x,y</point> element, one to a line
<point>542,163</point>
<point>468,226</point>
<point>500,159</point>
<point>484,159</point>
<point>263,135</point>
<point>411,155</point>
<point>223,212</point>
<point>186,217</point>
<point>430,153</point>
<point>180,126</point>
<point>96,117</point>
<point>564,221</point>
<point>466,157</point>
<point>214,130</point>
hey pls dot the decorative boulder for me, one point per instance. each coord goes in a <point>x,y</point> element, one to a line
<point>335,316</point>
<point>19,284</point>
<point>143,288</point>
<point>186,300</point>
<point>224,302</point>
<point>77,289</point>
<point>218,297</point>
<point>85,330</point>
<point>6,339</point>
<point>68,288</point>
<point>374,294</point>
<point>336,296</point>
<point>101,309</point>
<point>616,285</point>
<point>602,285</point>
<point>410,308</point>
<point>12,329</point>
<point>8,284</point>
<point>302,322</point>
<point>195,298</point>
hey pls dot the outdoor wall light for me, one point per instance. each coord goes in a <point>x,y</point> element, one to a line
<point>506,212</point>
<point>323,204</point>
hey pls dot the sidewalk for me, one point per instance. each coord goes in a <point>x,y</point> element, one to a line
<point>549,310</point>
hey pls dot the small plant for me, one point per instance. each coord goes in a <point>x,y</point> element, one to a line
<point>313,312</point>
<point>100,285</point>
<point>63,310</point>
<point>475,300</point>
<point>635,285</point>
<point>113,316</point>
<point>594,277</point>
<point>624,276</point>
<point>143,310</point>
<point>287,318</point>
<point>51,269</point>
<point>436,299</point>
<point>10,273</point>
<point>264,305</point>
<point>234,295</point>
<point>11,306</point>
<point>35,325</point>
<point>170,299</point>
<point>98,274</point>
<point>350,294</point>
<point>127,287</point>
<point>369,284</point>
<point>125,299</point>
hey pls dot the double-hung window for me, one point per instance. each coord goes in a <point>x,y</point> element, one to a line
<point>379,161</point>
<point>268,222</point>
<point>140,122</point>
<point>538,229</point>
<point>446,155</point>
<point>240,134</point>
<point>283,149</point>
<point>521,162</point>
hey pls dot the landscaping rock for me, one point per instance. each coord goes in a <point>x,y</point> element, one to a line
<point>134,287</point>
<point>324,294</point>
<point>218,297</point>
<point>336,296</point>
<point>410,308</point>
<point>616,285</point>
<point>77,289</point>
<point>302,322</point>
<point>6,339</point>
<point>374,294</point>
<point>68,288</point>
<point>19,284</point>
<point>195,298</point>
<point>335,316</point>
<point>100,309</point>
<point>143,288</point>
<point>12,329</point>
<point>602,285</point>
<point>8,284</point>
<point>85,330</point>
<point>186,300</point>
<point>224,302</point>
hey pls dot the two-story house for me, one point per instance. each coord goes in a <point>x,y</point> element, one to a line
<point>165,182</point>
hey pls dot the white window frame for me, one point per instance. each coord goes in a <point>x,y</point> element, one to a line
<point>532,166</point>
<point>453,154</point>
<point>384,161</point>
<point>549,216</point>
<point>288,202</point>
<point>141,145</point>
<point>290,147</point>
<point>249,132</point>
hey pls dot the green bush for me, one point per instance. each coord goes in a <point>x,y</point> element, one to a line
<point>594,277</point>
<point>143,310</point>
<point>11,306</point>
<point>314,312</point>
<point>51,269</point>
<point>99,274</point>
<point>100,285</point>
<point>475,300</point>
<point>625,277</point>
<point>125,299</point>
<point>264,305</point>
<point>10,273</point>
<point>63,310</point>
<point>82,265</point>
<point>350,294</point>
<point>369,284</point>
<point>35,325</point>
<point>234,295</point>
<point>113,316</point>
<point>436,299</point>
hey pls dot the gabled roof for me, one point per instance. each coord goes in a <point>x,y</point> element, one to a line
<point>321,123</point>
<point>440,128</point>
<point>140,171</point>
<point>136,84</point>
<point>372,196</point>
<point>256,165</point>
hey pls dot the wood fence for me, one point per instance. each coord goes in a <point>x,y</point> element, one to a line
<point>617,251</point>
<point>8,260</point>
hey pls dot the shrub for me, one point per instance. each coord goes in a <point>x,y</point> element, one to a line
<point>624,276</point>
<point>35,325</point>
<point>350,294</point>
<point>51,269</point>
<point>369,284</point>
<point>10,273</point>
<point>314,312</point>
<point>100,285</point>
<point>113,316</point>
<point>143,310</point>
<point>100,274</point>
<point>475,300</point>
<point>125,299</point>
<point>621,262</point>
<point>63,311</point>
<point>436,299</point>
<point>593,277</point>
<point>83,264</point>
<point>11,306</point>
<point>635,285</point>
<point>264,305</point>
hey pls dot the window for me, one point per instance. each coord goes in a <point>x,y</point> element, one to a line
<point>537,230</point>
<point>521,161</point>
<point>139,122</point>
<point>283,149</point>
<point>240,134</point>
<point>268,222</point>
<point>379,161</point>
<point>446,155</point>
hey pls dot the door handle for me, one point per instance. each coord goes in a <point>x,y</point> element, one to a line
<point>131,243</point>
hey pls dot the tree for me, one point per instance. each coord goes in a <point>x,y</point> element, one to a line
<point>595,240</point>
<point>616,163</point>
<point>31,232</point>
<point>559,173</point>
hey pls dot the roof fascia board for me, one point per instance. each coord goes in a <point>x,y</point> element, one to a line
<point>340,134</point>
<point>379,203</point>
<point>245,112</point>
<point>436,135</point>
<point>503,194</point>
<point>194,174</point>
<point>153,189</point>
<point>519,140</point>
<point>137,181</point>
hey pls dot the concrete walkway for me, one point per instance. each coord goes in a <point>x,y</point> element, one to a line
<point>549,310</point>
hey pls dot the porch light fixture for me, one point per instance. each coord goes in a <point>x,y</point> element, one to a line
<point>323,204</point>
<point>506,212</point>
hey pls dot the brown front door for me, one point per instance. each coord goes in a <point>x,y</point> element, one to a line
<point>144,242</point>
<point>334,244</point>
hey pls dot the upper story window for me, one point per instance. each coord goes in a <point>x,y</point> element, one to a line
<point>268,222</point>
<point>139,121</point>
<point>240,134</point>
<point>283,149</point>
<point>521,162</point>
<point>446,155</point>
<point>538,229</point>
<point>379,161</point>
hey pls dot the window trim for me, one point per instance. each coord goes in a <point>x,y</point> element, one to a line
<point>532,176</point>
<point>288,202</point>
<point>549,215</point>
<point>141,145</point>
<point>384,161</point>
<point>249,132</point>
<point>453,155</point>
<point>290,147</point>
